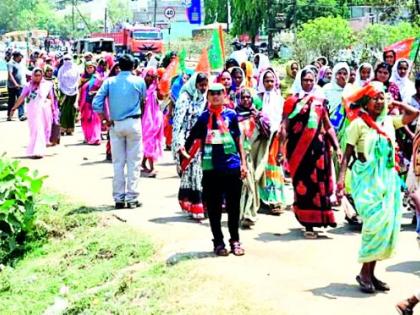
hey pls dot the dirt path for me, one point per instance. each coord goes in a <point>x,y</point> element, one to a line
<point>281,273</point>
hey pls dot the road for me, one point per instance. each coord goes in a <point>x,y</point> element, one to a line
<point>281,271</point>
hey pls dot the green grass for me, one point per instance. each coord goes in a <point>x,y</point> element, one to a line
<point>97,259</point>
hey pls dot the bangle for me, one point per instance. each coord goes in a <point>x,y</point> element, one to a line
<point>340,186</point>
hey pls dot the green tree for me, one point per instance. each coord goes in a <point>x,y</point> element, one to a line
<point>249,16</point>
<point>322,36</point>
<point>216,11</point>
<point>119,11</point>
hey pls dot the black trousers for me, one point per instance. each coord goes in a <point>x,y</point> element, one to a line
<point>13,95</point>
<point>219,185</point>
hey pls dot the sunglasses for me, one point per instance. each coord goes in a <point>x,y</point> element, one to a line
<point>215,92</point>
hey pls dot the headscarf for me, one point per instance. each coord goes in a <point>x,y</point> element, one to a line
<point>359,82</point>
<point>248,74</point>
<point>44,87</point>
<point>178,83</point>
<point>322,80</point>
<point>272,101</point>
<point>234,87</point>
<point>263,64</point>
<point>87,76</point>
<point>68,76</point>
<point>190,88</point>
<point>405,85</point>
<point>287,82</point>
<point>297,84</point>
<point>334,92</point>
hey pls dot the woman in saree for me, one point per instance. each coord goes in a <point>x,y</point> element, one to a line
<point>292,68</point>
<point>177,84</point>
<point>48,76</point>
<point>383,73</point>
<point>310,135</point>
<point>190,105</point>
<point>271,184</point>
<point>375,185</point>
<point>254,126</point>
<point>324,76</point>
<point>364,74</point>
<point>39,113</point>
<point>68,77</point>
<point>91,123</point>
<point>152,124</point>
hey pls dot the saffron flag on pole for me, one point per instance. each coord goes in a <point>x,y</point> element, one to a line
<point>222,42</point>
<point>170,72</point>
<point>203,63</point>
<point>215,51</point>
<point>407,48</point>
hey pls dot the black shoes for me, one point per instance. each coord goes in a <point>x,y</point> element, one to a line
<point>119,205</point>
<point>133,204</point>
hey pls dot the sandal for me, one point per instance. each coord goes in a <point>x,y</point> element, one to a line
<point>364,286</point>
<point>220,250</point>
<point>404,309</point>
<point>236,249</point>
<point>310,235</point>
<point>380,285</point>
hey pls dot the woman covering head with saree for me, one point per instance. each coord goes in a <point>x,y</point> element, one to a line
<point>325,75</point>
<point>188,108</point>
<point>272,183</point>
<point>49,76</point>
<point>90,120</point>
<point>310,136</point>
<point>333,92</point>
<point>292,68</point>
<point>68,76</point>
<point>375,184</point>
<point>254,128</point>
<point>250,81</point>
<point>364,74</point>
<point>39,112</point>
<point>400,76</point>
<point>152,124</point>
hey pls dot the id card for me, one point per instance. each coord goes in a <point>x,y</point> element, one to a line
<point>214,137</point>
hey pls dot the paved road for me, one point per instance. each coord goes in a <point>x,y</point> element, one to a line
<point>281,270</point>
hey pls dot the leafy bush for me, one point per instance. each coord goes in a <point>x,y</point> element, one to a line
<point>19,198</point>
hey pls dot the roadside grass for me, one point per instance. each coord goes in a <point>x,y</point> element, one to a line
<point>91,263</point>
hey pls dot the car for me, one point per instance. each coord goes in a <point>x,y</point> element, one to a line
<point>3,84</point>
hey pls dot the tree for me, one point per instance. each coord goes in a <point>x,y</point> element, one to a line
<point>249,16</point>
<point>119,11</point>
<point>216,11</point>
<point>323,36</point>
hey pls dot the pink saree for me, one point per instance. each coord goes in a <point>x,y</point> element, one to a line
<point>91,122</point>
<point>152,125</point>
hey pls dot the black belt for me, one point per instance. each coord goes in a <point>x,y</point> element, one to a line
<point>134,116</point>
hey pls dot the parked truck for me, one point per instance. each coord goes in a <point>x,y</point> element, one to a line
<point>136,40</point>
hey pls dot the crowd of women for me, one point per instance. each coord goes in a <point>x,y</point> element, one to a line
<point>339,135</point>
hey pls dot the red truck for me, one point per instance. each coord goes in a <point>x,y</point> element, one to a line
<point>136,39</point>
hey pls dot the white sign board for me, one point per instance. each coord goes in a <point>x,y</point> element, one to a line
<point>169,12</point>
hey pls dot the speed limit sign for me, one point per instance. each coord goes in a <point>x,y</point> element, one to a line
<point>169,12</point>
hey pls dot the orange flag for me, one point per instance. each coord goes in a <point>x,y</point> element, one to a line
<point>203,64</point>
<point>170,72</point>
<point>222,42</point>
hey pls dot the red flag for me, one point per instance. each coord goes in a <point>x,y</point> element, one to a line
<point>165,81</point>
<point>406,48</point>
<point>203,64</point>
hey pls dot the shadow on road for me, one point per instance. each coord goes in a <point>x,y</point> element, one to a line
<point>95,162</point>
<point>346,229</point>
<point>180,257</point>
<point>293,235</point>
<point>336,290</point>
<point>177,219</point>
<point>407,267</point>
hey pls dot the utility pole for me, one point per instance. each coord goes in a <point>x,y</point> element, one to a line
<point>105,20</point>
<point>155,13</point>
<point>73,3</point>
<point>228,16</point>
